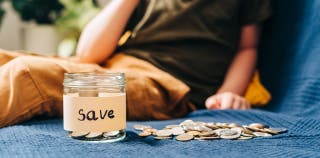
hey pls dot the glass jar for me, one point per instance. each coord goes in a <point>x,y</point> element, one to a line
<point>94,106</point>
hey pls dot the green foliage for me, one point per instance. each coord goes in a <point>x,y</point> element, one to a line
<point>41,11</point>
<point>75,16</point>
<point>2,12</point>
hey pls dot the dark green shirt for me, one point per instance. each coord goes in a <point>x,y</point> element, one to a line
<point>194,40</point>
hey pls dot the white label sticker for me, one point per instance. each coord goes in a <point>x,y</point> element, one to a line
<point>94,114</point>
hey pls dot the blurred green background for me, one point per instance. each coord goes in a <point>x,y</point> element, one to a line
<point>55,24</point>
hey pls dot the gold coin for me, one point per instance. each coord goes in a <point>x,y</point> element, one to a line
<point>76,134</point>
<point>144,134</point>
<point>184,137</point>
<point>194,133</point>
<point>209,133</point>
<point>234,125</point>
<point>257,125</point>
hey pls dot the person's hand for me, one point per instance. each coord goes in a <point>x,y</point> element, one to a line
<point>227,100</point>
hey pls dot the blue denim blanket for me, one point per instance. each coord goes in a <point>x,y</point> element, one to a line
<point>290,68</point>
<point>46,138</point>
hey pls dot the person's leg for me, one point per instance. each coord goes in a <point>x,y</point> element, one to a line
<point>32,85</point>
<point>6,56</point>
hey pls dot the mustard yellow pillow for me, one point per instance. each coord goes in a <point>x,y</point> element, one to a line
<point>256,93</point>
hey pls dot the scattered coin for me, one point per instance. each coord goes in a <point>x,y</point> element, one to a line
<point>244,138</point>
<point>260,134</point>
<point>151,130</point>
<point>184,137</point>
<point>164,133</point>
<point>177,131</point>
<point>257,125</point>
<point>229,134</point>
<point>141,127</point>
<point>212,125</point>
<point>94,134</point>
<point>76,134</point>
<point>194,133</point>
<point>234,125</point>
<point>247,135</point>
<point>144,134</point>
<point>209,133</point>
<point>161,138</point>
<point>238,129</point>
<point>188,130</point>
<point>111,134</point>
<point>279,130</point>
<point>172,126</point>
<point>207,138</point>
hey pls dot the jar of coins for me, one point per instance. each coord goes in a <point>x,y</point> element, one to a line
<point>94,106</point>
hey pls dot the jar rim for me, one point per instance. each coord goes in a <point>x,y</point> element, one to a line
<point>94,79</point>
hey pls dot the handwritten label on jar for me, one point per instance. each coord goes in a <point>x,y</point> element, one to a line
<point>94,114</point>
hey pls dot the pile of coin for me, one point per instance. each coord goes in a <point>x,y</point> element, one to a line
<point>95,135</point>
<point>189,130</point>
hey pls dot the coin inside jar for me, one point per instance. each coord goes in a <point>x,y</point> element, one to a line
<point>94,134</point>
<point>111,134</point>
<point>77,134</point>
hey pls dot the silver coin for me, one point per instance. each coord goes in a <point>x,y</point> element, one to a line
<point>161,138</point>
<point>164,133</point>
<point>207,138</point>
<point>94,134</point>
<point>141,127</point>
<point>260,134</point>
<point>228,132</point>
<point>247,135</point>
<point>279,130</point>
<point>184,137</point>
<point>200,128</point>
<point>186,122</point>
<point>111,134</point>
<point>244,138</point>
<point>177,131</point>
<point>212,125</point>
<point>222,125</point>
<point>257,125</point>
<point>76,134</point>
<point>238,129</point>
<point>172,126</point>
